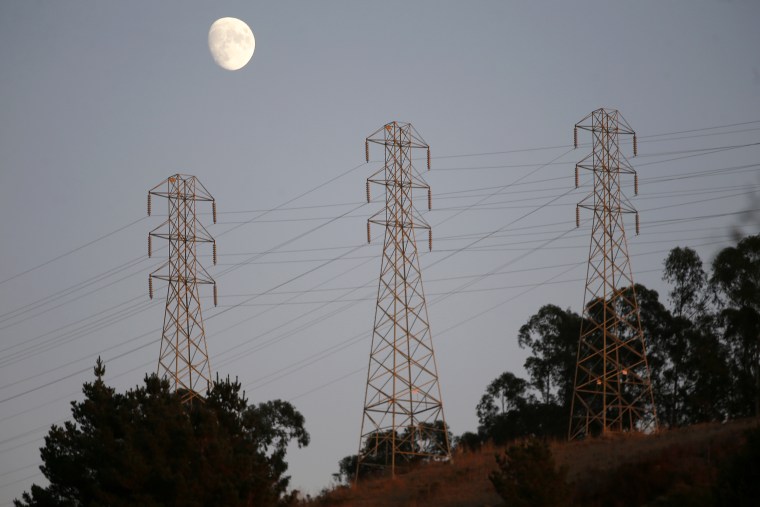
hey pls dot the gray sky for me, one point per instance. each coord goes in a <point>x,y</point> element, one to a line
<point>100,101</point>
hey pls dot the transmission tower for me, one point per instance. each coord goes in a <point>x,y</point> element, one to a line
<point>183,359</point>
<point>612,391</point>
<point>403,417</point>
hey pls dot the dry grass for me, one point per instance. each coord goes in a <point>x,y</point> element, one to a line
<point>610,452</point>
<point>687,454</point>
<point>462,482</point>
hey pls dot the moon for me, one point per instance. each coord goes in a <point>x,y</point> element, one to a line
<point>231,43</point>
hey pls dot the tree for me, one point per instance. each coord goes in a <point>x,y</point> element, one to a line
<point>377,450</point>
<point>736,279</point>
<point>513,407</point>
<point>552,336</point>
<point>499,408</point>
<point>657,326</point>
<point>528,477</point>
<point>695,374</point>
<point>347,469</point>
<point>688,280</point>
<point>432,438</point>
<point>468,441</point>
<point>707,377</point>
<point>145,447</point>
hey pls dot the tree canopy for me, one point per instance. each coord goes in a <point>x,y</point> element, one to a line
<point>512,407</point>
<point>736,280</point>
<point>145,447</point>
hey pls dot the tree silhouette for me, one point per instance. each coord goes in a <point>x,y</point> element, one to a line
<point>145,447</point>
<point>552,337</point>
<point>736,279</point>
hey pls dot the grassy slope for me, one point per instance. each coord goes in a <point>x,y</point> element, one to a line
<point>635,466</point>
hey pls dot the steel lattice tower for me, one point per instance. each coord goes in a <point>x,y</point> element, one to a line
<point>184,356</point>
<point>403,411</point>
<point>612,390</point>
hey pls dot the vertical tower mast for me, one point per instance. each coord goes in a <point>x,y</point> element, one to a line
<point>612,383</point>
<point>183,358</point>
<point>403,417</point>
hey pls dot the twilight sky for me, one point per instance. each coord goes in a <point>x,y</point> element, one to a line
<point>100,101</point>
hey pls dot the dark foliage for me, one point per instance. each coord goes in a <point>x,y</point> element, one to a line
<point>690,364</point>
<point>413,446</point>
<point>738,482</point>
<point>499,410</point>
<point>468,442</point>
<point>673,477</point>
<point>528,477</point>
<point>145,447</point>
<point>513,407</point>
<point>736,281</point>
<point>552,337</point>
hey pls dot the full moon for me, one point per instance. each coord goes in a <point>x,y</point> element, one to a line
<point>231,43</point>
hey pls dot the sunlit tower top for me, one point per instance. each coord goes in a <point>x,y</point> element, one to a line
<point>399,178</point>
<point>183,358</point>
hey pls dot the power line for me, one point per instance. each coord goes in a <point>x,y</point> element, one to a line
<point>655,208</point>
<point>690,218</point>
<point>701,129</point>
<point>69,252</point>
<point>282,206</point>
<point>274,288</point>
<point>444,331</point>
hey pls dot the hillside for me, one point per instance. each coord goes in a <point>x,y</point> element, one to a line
<point>629,469</point>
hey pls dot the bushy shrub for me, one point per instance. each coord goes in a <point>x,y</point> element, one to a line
<point>528,477</point>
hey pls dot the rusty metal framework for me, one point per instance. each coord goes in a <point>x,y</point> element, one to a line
<point>183,358</point>
<point>403,419</point>
<point>612,391</point>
